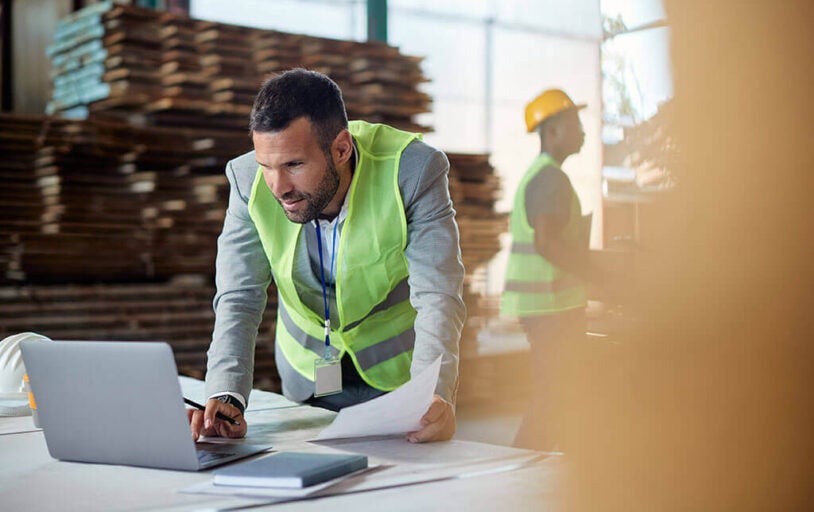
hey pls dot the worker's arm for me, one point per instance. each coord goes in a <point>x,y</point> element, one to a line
<point>242,276</point>
<point>548,208</point>
<point>571,257</point>
<point>436,280</point>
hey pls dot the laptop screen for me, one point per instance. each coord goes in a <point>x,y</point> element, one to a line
<point>111,402</point>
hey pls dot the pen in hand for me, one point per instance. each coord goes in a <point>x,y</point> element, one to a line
<point>218,415</point>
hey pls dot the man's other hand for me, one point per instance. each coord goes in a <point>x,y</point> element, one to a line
<point>205,423</point>
<point>437,424</point>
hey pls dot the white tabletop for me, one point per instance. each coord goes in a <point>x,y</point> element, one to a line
<point>457,475</point>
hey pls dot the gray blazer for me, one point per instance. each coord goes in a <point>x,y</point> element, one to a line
<point>433,256</point>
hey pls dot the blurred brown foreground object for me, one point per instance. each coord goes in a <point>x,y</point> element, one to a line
<point>707,403</point>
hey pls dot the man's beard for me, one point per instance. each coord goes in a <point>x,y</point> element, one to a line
<point>316,202</point>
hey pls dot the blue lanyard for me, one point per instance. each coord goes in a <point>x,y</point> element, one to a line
<point>324,286</point>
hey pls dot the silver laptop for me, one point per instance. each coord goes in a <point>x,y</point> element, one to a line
<point>118,403</point>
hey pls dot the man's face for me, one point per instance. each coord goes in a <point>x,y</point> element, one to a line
<point>296,170</point>
<point>573,136</point>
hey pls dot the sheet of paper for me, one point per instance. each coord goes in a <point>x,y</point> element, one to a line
<point>397,412</point>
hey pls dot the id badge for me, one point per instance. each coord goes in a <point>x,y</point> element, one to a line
<point>327,376</point>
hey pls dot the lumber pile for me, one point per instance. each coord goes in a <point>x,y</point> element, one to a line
<point>474,188</point>
<point>162,69</point>
<point>178,312</point>
<point>378,84</point>
<point>106,201</point>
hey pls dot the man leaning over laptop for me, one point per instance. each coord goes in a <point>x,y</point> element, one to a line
<point>355,223</point>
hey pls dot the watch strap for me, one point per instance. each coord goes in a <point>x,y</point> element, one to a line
<point>229,399</point>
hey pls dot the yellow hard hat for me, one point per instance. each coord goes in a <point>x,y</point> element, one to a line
<point>546,105</point>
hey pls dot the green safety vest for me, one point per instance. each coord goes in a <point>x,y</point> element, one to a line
<point>534,286</point>
<point>375,324</point>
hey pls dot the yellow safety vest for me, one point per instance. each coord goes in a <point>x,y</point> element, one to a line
<point>535,286</point>
<point>375,324</point>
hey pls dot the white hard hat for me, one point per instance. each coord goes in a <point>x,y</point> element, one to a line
<point>11,362</point>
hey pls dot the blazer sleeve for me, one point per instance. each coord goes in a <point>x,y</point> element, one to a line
<point>242,277</point>
<point>433,256</point>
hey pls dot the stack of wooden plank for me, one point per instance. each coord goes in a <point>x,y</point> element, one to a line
<point>164,69</point>
<point>274,51</point>
<point>106,56</point>
<point>226,52</point>
<point>103,200</point>
<point>78,61</point>
<point>198,55</point>
<point>25,194</point>
<point>474,188</point>
<point>28,197</point>
<point>378,84</point>
<point>178,312</point>
<point>185,87</point>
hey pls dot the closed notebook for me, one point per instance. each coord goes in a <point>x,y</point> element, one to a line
<point>290,469</point>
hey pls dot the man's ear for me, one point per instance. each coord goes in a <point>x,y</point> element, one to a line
<point>342,148</point>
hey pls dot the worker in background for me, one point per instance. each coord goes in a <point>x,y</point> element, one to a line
<point>354,223</point>
<point>548,262</point>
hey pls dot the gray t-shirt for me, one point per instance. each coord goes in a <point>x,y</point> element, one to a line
<point>549,193</point>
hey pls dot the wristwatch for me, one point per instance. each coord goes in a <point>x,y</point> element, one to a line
<point>229,399</point>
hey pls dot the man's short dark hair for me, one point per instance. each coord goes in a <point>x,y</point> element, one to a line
<point>300,93</point>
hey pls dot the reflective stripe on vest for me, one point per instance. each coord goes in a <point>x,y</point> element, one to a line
<point>534,286</point>
<point>367,357</point>
<point>375,324</point>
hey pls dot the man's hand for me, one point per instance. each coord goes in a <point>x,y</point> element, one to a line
<point>204,423</point>
<point>438,424</point>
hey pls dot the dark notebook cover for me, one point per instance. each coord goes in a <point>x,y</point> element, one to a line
<point>290,469</point>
